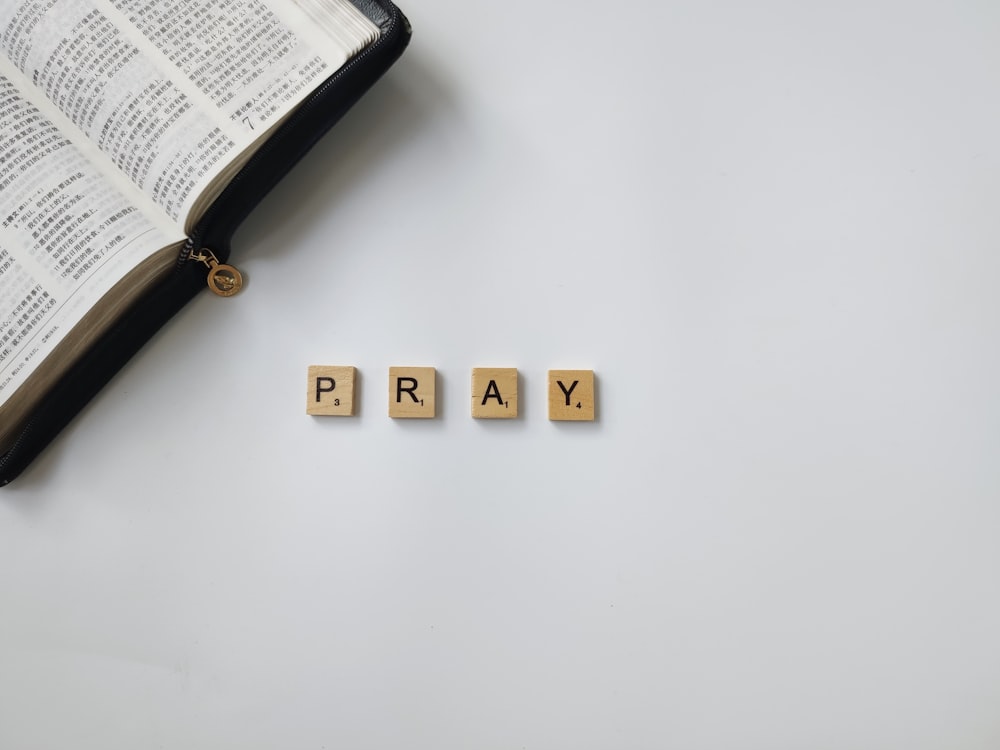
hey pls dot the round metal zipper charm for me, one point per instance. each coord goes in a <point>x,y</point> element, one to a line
<point>224,279</point>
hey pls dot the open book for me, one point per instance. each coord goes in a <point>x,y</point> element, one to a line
<point>122,122</point>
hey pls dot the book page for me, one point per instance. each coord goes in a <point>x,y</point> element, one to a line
<point>67,235</point>
<point>173,92</point>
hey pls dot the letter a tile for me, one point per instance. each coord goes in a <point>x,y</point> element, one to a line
<point>411,392</point>
<point>330,391</point>
<point>494,392</point>
<point>571,395</point>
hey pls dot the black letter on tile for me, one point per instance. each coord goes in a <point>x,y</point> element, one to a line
<point>320,382</point>
<point>400,390</point>
<point>492,391</point>
<point>563,389</point>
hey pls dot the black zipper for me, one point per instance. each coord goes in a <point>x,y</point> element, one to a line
<point>12,451</point>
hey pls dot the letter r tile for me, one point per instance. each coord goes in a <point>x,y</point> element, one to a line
<point>571,395</point>
<point>411,392</point>
<point>330,391</point>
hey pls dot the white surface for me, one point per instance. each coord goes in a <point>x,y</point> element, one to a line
<point>771,228</point>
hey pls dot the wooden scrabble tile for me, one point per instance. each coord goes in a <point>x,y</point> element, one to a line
<point>330,391</point>
<point>494,392</point>
<point>411,392</point>
<point>571,395</point>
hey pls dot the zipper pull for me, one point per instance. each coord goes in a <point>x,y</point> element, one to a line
<point>223,279</point>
